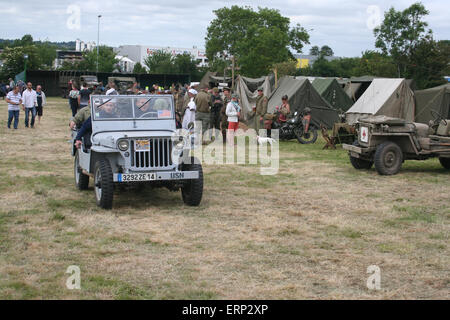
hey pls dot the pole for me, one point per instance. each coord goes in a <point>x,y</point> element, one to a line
<point>25,70</point>
<point>232,74</point>
<point>98,38</point>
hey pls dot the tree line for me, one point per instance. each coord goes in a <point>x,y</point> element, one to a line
<point>261,41</point>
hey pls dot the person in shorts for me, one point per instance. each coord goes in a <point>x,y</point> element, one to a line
<point>41,101</point>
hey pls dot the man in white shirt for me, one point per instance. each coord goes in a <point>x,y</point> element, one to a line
<point>29,102</point>
<point>189,114</point>
<point>112,90</point>
<point>14,99</point>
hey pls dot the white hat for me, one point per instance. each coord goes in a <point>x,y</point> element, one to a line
<point>193,91</point>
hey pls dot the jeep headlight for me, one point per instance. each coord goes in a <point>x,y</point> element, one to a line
<point>123,145</point>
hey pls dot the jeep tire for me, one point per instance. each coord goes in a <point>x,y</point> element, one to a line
<point>445,162</point>
<point>388,158</point>
<point>192,189</point>
<point>81,180</point>
<point>358,163</point>
<point>103,184</point>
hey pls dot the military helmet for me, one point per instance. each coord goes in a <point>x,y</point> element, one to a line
<point>307,110</point>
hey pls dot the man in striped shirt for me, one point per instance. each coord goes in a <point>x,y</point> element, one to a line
<point>14,99</point>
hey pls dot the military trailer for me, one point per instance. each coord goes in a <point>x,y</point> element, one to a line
<point>387,142</point>
<point>134,140</point>
<point>68,77</point>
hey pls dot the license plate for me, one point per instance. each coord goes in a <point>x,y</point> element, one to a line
<point>142,145</point>
<point>131,177</point>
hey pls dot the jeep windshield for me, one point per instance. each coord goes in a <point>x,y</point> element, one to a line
<point>132,107</point>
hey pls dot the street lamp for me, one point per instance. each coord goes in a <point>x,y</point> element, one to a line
<point>25,56</point>
<point>98,37</point>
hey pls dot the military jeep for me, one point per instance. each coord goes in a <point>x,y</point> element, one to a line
<point>134,141</point>
<point>388,142</point>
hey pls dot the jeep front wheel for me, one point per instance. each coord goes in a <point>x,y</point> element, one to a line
<point>104,184</point>
<point>192,190</point>
<point>445,162</point>
<point>81,180</point>
<point>358,163</point>
<point>388,158</point>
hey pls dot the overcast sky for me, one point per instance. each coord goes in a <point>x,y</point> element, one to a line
<point>344,25</point>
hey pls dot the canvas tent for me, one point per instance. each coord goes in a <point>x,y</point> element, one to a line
<point>247,90</point>
<point>332,91</point>
<point>301,94</point>
<point>437,98</point>
<point>388,97</point>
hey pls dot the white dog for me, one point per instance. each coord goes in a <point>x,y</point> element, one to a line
<point>262,140</point>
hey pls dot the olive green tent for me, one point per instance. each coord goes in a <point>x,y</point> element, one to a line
<point>437,98</point>
<point>387,97</point>
<point>332,91</point>
<point>301,94</point>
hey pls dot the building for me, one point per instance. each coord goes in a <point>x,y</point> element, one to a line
<point>139,53</point>
<point>126,65</point>
<point>66,55</point>
<point>305,60</point>
<point>84,46</point>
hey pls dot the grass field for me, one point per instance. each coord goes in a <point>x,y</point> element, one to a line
<point>309,232</point>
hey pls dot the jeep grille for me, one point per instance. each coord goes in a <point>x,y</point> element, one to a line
<point>159,156</point>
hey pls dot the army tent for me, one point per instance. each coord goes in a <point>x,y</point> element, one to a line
<point>437,98</point>
<point>247,90</point>
<point>301,94</point>
<point>332,91</point>
<point>387,97</point>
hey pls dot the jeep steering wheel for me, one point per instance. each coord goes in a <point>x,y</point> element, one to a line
<point>438,117</point>
<point>142,115</point>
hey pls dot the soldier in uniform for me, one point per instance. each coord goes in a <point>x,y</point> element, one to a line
<point>261,109</point>
<point>223,116</point>
<point>202,101</point>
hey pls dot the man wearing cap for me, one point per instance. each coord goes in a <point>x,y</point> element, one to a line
<point>203,114</point>
<point>189,114</point>
<point>261,108</point>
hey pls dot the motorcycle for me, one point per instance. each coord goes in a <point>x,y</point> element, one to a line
<point>298,127</point>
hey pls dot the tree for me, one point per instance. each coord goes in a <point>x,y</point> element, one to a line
<point>400,33</point>
<point>326,51</point>
<point>314,51</point>
<point>14,61</point>
<point>185,63</point>
<point>160,62</point>
<point>106,61</point>
<point>256,39</point>
<point>287,68</point>
<point>139,68</point>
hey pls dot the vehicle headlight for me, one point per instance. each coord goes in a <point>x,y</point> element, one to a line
<point>123,145</point>
<point>179,144</point>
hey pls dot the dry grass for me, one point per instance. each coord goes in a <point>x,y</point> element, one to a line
<point>309,232</point>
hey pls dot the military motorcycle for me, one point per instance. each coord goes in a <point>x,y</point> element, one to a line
<point>298,127</point>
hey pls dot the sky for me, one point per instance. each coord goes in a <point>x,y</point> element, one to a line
<point>344,25</point>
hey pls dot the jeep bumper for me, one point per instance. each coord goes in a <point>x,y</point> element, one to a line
<point>155,176</point>
<point>352,148</point>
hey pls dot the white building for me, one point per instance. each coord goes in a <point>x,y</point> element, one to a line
<point>84,46</point>
<point>139,53</point>
<point>126,65</point>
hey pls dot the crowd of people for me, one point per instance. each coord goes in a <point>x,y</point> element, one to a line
<point>32,102</point>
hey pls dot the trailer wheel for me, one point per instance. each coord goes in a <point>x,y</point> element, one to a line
<point>445,162</point>
<point>388,158</point>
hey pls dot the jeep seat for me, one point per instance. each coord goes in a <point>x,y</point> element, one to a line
<point>421,129</point>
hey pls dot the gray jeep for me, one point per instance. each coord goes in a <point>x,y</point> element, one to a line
<point>388,142</point>
<point>134,140</point>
